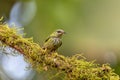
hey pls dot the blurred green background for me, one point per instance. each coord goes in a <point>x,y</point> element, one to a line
<point>92,26</point>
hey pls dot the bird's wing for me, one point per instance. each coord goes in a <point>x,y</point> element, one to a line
<point>46,43</point>
<point>47,39</point>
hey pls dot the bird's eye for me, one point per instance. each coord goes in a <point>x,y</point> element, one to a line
<point>58,31</point>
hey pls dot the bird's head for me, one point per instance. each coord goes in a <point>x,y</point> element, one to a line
<point>58,33</point>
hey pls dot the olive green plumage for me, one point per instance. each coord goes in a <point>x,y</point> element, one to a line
<point>53,42</point>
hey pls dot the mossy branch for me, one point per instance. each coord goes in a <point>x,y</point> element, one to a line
<point>74,67</point>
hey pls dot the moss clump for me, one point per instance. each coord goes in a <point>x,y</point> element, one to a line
<point>74,67</point>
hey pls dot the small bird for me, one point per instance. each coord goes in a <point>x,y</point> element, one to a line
<point>53,42</point>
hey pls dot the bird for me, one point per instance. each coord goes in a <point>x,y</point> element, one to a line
<point>53,42</point>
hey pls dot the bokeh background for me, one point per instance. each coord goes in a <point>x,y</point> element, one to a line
<point>92,26</point>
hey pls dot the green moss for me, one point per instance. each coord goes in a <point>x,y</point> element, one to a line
<point>74,68</point>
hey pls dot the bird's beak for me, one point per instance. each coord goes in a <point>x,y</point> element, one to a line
<point>64,32</point>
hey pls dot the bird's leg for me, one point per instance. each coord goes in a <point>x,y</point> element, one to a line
<point>53,51</point>
<point>44,50</point>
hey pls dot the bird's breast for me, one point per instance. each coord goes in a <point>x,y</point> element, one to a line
<point>56,41</point>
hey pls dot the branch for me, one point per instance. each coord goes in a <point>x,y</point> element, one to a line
<point>74,67</point>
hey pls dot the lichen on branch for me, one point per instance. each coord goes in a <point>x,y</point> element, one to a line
<point>74,68</point>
